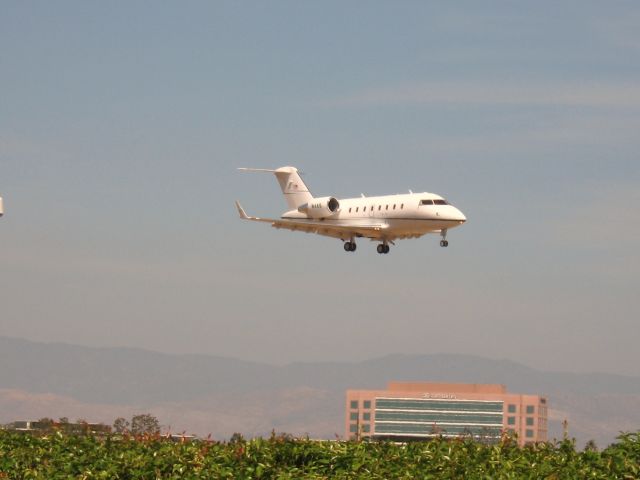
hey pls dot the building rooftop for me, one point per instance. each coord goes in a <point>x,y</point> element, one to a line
<point>446,387</point>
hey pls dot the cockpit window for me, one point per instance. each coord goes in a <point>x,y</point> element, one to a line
<point>440,202</point>
<point>426,202</point>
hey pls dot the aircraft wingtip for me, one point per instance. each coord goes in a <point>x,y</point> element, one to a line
<point>241,211</point>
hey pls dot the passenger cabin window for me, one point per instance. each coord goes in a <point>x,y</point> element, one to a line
<point>426,202</point>
<point>379,207</point>
<point>349,209</point>
<point>440,202</point>
<point>401,206</point>
<point>357,209</point>
<point>387,207</point>
<point>372,208</point>
<point>394,206</point>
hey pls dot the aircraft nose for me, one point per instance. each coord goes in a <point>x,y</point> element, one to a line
<point>460,216</point>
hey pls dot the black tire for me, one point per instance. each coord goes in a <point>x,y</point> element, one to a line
<point>347,246</point>
<point>380,248</point>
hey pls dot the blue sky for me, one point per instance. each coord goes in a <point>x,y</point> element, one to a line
<point>121,125</point>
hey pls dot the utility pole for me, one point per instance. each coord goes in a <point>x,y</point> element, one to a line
<point>565,429</point>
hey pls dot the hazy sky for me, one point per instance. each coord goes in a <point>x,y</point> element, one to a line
<point>122,123</point>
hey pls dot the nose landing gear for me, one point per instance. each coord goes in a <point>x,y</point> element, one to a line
<point>444,242</point>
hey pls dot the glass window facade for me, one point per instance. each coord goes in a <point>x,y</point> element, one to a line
<point>431,417</point>
<point>529,433</point>
<point>529,421</point>
<point>353,416</point>
<point>428,417</point>
<point>353,428</point>
<point>366,428</point>
<point>354,403</point>
<point>512,408</point>
<point>432,404</point>
<point>435,429</point>
<point>366,404</point>
<point>511,420</point>
<point>366,417</point>
<point>530,409</point>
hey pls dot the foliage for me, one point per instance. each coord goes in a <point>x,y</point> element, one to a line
<point>121,425</point>
<point>145,424</point>
<point>57,455</point>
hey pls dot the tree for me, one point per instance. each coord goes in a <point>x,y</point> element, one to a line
<point>82,425</point>
<point>121,425</point>
<point>145,424</point>
<point>44,423</point>
<point>591,446</point>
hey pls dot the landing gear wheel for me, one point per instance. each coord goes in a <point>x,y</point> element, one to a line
<point>382,248</point>
<point>350,246</point>
<point>444,243</point>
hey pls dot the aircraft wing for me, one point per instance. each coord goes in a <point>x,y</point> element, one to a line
<point>320,227</point>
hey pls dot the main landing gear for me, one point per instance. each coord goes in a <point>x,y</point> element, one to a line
<point>382,248</point>
<point>351,247</point>
<point>444,242</point>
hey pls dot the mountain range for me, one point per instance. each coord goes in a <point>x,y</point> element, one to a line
<point>206,394</point>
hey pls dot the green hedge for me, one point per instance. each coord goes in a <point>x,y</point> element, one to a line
<point>60,456</point>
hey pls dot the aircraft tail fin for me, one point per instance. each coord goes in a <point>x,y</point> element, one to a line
<point>293,188</point>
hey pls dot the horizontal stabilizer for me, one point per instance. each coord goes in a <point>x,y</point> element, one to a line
<point>245,169</point>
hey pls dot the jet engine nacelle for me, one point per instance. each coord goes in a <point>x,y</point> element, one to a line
<point>320,207</point>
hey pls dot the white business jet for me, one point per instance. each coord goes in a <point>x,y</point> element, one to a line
<point>382,219</point>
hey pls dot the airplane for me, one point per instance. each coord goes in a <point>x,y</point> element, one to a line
<point>1,207</point>
<point>382,219</point>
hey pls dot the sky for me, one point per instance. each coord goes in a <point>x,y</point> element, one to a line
<point>122,125</point>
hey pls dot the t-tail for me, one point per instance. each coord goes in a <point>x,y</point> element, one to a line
<point>293,188</point>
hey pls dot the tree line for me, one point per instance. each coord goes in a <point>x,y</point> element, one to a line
<point>141,424</point>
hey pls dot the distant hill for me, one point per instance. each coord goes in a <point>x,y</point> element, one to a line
<point>227,395</point>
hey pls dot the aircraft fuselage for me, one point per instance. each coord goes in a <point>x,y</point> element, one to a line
<point>405,215</point>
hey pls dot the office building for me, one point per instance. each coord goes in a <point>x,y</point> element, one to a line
<point>413,411</point>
